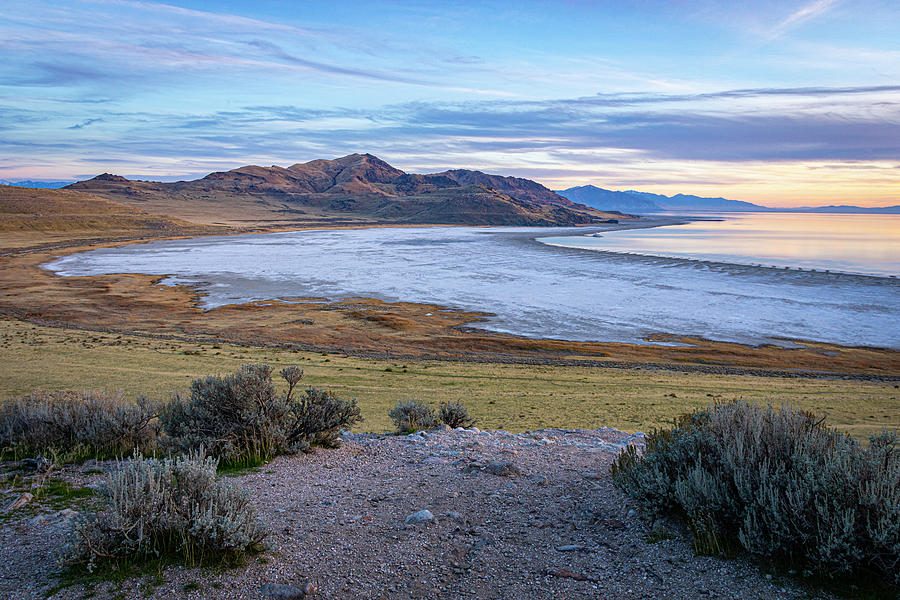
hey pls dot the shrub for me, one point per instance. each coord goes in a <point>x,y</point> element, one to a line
<point>174,507</point>
<point>77,426</point>
<point>238,418</point>
<point>777,483</point>
<point>243,421</point>
<point>455,415</point>
<point>412,415</point>
<point>318,416</point>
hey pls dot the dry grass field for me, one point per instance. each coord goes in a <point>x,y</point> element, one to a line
<point>512,397</point>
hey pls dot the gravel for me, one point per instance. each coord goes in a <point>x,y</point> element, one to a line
<point>549,524</point>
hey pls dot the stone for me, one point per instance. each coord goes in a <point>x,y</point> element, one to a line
<point>503,469</point>
<point>286,591</point>
<point>473,466</point>
<point>39,464</point>
<point>38,521</point>
<point>19,502</point>
<point>422,516</point>
<point>455,516</point>
<point>570,548</point>
<point>540,480</point>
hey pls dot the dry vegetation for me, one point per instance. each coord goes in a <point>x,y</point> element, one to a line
<point>500,396</point>
<point>35,217</point>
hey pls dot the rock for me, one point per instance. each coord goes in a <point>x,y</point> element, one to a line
<point>285,591</point>
<point>570,548</point>
<point>19,502</point>
<point>473,466</point>
<point>66,514</point>
<point>423,516</point>
<point>503,469</point>
<point>38,521</point>
<point>474,430</point>
<point>455,516</point>
<point>631,513</point>
<point>541,480</point>
<point>39,464</point>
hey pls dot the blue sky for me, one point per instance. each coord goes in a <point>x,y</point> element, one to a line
<point>782,103</point>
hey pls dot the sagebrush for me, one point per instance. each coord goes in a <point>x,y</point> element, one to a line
<point>77,426</point>
<point>412,415</point>
<point>243,421</point>
<point>778,483</point>
<point>168,508</point>
<point>455,415</point>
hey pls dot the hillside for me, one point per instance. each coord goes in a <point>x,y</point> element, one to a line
<point>32,217</point>
<point>355,189</point>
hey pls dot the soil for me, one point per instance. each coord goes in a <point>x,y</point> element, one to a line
<point>524,516</point>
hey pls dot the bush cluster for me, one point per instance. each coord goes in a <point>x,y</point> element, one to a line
<point>243,421</point>
<point>174,507</point>
<point>240,419</point>
<point>455,415</point>
<point>77,426</point>
<point>778,483</point>
<point>412,415</point>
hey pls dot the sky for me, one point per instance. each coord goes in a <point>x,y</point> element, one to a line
<point>782,103</point>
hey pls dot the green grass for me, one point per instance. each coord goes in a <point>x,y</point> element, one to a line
<point>500,396</point>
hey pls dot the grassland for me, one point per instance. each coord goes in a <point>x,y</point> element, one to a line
<point>512,397</point>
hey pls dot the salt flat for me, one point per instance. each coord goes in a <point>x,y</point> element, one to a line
<point>530,288</point>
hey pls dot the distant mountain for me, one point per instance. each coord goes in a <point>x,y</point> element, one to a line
<point>644,202</point>
<point>592,196</point>
<point>32,183</point>
<point>359,188</point>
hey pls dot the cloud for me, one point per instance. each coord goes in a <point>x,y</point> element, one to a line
<point>279,53</point>
<point>800,16</point>
<point>85,123</point>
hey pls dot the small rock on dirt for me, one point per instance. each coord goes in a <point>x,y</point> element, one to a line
<point>285,591</point>
<point>422,516</point>
<point>503,469</point>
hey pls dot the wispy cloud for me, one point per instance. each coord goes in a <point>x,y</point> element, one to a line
<point>85,123</point>
<point>800,16</point>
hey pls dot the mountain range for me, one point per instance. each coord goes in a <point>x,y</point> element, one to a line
<point>359,188</point>
<point>644,202</point>
<point>35,183</point>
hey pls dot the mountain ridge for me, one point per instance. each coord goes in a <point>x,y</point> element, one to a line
<point>353,188</point>
<point>646,202</point>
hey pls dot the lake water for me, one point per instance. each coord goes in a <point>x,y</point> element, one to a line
<point>532,289</point>
<point>867,244</point>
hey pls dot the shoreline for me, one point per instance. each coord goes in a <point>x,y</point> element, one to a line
<point>488,321</point>
<point>369,327</point>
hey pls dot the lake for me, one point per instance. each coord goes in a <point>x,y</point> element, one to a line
<point>531,288</point>
<point>851,243</point>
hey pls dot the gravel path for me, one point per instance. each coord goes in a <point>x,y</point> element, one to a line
<point>526,516</point>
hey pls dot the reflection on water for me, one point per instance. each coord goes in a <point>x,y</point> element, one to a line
<point>868,244</point>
